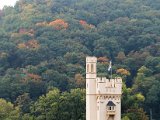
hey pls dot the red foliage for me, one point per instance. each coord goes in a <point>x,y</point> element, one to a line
<point>86,25</point>
<point>22,30</point>
<point>82,22</point>
<point>33,76</point>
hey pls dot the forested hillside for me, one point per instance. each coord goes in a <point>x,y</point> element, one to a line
<point>43,45</point>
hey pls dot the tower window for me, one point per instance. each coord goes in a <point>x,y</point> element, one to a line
<point>92,68</point>
<point>87,67</point>
<point>111,108</point>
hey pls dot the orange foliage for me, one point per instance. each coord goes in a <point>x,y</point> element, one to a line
<point>123,71</point>
<point>59,24</point>
<point>86,25</point>
<point>103,59</point>
<point>31,44</point>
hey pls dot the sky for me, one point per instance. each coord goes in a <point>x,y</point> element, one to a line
<point>7,2</point>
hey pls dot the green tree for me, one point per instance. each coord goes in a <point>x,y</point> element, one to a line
<point>61,106</point>
<point>8,111</point>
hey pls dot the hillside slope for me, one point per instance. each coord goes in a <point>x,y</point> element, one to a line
<point>43,45</point>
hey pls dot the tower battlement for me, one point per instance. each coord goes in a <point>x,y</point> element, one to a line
<point>91,59</point>
<point>103,96</point>
<point>108,86</point>
<point>116,80</point>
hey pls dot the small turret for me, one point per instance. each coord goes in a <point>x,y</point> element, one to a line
<point>91,67</point>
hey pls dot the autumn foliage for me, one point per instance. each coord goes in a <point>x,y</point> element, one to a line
<point>23,31</point>
<point>31,77</point>
<point>34,76</point>
<point>31,44</point>
<point>80,81</point>
<point>103,59</point>
<point>58,24</point>
<point>29,32</point>
<point>86,25</point>
<point>123,71</point>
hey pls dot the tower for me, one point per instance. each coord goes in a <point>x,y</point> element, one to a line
<point>103,96</point>
<point>91,76</point>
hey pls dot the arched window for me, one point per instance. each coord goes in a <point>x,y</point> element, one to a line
<point>92,68</point>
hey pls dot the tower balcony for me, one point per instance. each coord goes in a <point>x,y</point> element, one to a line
<point>111,112</point>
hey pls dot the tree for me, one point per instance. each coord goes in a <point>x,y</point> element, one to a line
<point>24,102</point>
<point>137,113</point>
<point>8,111</point>
<point>60,106</point>
<point>80,81</point>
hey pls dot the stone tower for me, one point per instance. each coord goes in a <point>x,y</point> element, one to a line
<point>103,96</point>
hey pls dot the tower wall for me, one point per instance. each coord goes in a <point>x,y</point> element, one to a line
<point>91,103</point>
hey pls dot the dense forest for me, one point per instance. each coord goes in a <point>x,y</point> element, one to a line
<point>43,45</point>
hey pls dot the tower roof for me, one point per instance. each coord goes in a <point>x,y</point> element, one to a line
<point>110,103</point>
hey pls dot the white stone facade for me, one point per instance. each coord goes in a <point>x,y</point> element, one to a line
<point>103,96</point>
